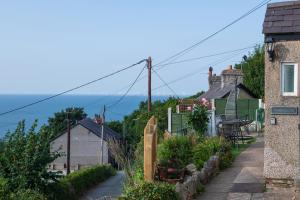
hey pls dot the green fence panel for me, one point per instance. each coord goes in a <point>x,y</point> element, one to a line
<point>246,108</point>
<point>179,122</point>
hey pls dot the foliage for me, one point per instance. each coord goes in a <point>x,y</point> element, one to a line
<point>75,184</point>
<point>25,158</point>
<point>196,95</point>
<point>1,145</point>
<point>210,146</point>
<point>27,195</point>
<point>116,126</point>
<point>198,119</point>
<point>254,71</point>
<point>151,191</point>
<point>3,189</point>
<point>119,154</point>
<point>58,123</point>
<point>177,148</point>
<point>134,123</point>
<point>225,154</point>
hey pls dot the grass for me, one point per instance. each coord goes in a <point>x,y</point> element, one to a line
<point>237,149</point>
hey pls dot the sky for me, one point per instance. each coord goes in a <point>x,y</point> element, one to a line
<point>51,46</point>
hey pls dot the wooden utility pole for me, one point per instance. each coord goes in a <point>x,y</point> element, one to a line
<point>102,133</point>
<point>68,143</point>
<point>149,66</point>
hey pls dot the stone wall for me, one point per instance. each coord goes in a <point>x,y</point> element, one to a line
<point>281,153</point>
<point>196,179</point>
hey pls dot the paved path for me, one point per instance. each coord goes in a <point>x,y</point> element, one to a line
<point>111,187</point>
<point>244,179</point>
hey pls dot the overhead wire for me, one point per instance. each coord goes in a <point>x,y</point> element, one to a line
<point>195,72</point>
<point>72,89</point>
<point>190,48</point>
<point>166,84</point>
<point>128,90</point>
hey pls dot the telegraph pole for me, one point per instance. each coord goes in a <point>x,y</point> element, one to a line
<point>149,66</point>
<point>102,133</point>
<point>68,143</point>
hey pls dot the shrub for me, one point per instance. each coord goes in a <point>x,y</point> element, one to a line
<point>75,184</point>
<point>209,147</point>
<point>151,191</point>
<point>198,119</point>
<point>177,148</point>
<point>202,152</point>
<point>27,195</point>
<point>3,189</point>
<point>225,154</point>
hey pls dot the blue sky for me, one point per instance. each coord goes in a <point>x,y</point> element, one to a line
<point>51,46</point>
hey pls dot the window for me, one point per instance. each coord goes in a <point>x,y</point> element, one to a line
<point>289,79</point>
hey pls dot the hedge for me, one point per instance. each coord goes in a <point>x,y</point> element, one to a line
<point>75,184</point>
<point>150,191</point>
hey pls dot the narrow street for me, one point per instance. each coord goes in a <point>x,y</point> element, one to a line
<point>110,188</point>
<point>244,179</point>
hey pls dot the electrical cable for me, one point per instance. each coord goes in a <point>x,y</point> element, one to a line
<point>128,90</point>
<point>72,89</point>
<point>186,50</point>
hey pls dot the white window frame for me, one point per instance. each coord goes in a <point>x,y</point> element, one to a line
<point>295,93</point>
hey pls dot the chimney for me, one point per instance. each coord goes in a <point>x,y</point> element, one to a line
<point>210,72</point>
<point>98,119</point>
<point>229,76</point>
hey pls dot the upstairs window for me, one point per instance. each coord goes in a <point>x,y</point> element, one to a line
<point>289,79</point>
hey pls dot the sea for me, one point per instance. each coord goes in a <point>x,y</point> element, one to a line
<point>92,104</point>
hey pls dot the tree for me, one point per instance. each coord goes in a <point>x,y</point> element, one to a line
<point>25,159</point>
<point>116,126</point>
<point>253,68</point>
<point>198,119</point>
<point>136,122</point>
<point>58,123</point>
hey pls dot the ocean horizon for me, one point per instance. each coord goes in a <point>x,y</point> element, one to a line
<point>92,104</point>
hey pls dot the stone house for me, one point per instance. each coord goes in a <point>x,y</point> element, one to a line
<point>281,28</point>
<point>85,146</point>
<point>224,91</point>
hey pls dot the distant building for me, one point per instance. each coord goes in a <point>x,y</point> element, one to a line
<point>225,84</point>
<point>282,57</point>
<point>85,145</point>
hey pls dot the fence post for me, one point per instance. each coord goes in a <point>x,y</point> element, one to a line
<point>150,145</point>
<point>170,120</point>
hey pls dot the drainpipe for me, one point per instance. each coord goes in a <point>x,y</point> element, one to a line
<point>297,178</point>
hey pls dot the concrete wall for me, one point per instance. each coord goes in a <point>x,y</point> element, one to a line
<point>85,149</point>
<point>282,140</point>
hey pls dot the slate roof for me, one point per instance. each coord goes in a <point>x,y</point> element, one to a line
<point>282,18</point>
<point>96,129</point>
<point>216,92</point>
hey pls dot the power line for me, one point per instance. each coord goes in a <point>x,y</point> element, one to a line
<point>195,72</point>
<point>128,90</point>
<point>190,60</point>
<point>201,57</point>
<point>72,89</point>
<point>166,84</point>
<point>183,52</point>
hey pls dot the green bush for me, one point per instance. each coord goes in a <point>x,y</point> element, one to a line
<point>75,184</point>
<point>3,189</point>
<point>151,191</point>
<point>225,155</point>
<point>210,146</point>
<point>177,148</point>
<point>27,195</point>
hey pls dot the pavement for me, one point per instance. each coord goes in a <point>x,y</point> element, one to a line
<point>109,189</point>
<point>244,179</point>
